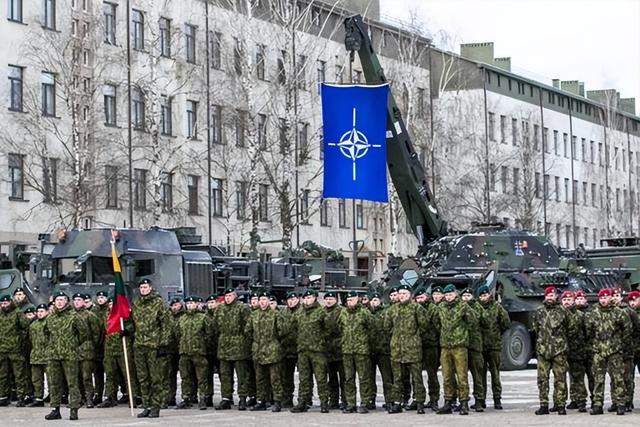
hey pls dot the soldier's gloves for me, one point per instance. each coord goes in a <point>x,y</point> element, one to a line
<point>163,350</point>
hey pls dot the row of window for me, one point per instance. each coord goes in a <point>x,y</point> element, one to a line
<point>15,13</point>
<point>16,90</point>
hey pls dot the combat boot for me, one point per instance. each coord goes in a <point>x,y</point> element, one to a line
<point>185,404</point>
<point>261,406</point>
<point>155,413</point>
<point>145,413</point>
<point>582,407</point>
<point>38,403</point>
<point>371,405</point>
<point>107,403</point>
<point>202,403</point>
<point>334,405</point>
<point>411,406</point>
<point>124,399</point>
<point>394,408</point>
<point>73,414</point>
<point>20,403</point>
<point>629,406</point>
<point>446,408</point>
<point>420,408</point>
<point>572,405</point>
<point>324,407</point>
<point>287,403</point>
<point>596,410</point>
<point>621,410</point>
<point>478,405</point>
<point>363,410</point>
<point>242,404</point>
<point>554,408</point>
<point>497,404</point>
<point>97,399</point>
<point>542,410</point>
<point>210,401</point>
<point>299,408</point>
<point>433,405</point>
<point>251,401</point>
<point>349,410</point>
<point>89,404</point>
<point>277,407</point>
<point>224,404</point>
<point>464,407</point>
<point>612,408</point>
<point>54,414</point>
<point>562,410</point>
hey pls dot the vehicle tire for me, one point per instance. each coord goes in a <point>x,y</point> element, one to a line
<point>516,347</point>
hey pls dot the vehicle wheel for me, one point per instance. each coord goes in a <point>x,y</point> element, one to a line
<point>516,347</point>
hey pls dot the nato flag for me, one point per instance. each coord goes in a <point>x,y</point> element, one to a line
<point>354,120</point>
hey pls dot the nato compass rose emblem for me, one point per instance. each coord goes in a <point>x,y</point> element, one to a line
<point>354,144</point>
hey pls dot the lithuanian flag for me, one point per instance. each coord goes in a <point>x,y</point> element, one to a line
<point>121,309</point>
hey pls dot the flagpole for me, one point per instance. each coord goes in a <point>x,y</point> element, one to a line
<point>353,201</point>
<point>126,367</point>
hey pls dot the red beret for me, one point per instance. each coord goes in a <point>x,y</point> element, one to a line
<point>633,295</point>
<point>616,291</point>
<point>580,293</point>
<point>606,292</point>
<point>566,294</point>
<point>549,290</point>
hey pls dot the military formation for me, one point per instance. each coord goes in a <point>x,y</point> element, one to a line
<point>62,349</point>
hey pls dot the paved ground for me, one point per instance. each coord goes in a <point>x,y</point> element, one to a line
<point>519,391</point>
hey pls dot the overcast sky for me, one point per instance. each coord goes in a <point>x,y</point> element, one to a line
<point>594,41</point>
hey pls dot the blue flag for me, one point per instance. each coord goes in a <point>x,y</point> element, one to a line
<point>354,120</point>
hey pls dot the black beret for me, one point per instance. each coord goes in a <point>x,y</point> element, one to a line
<point>145,282</point>
<point>101,294</point>
<point>58,294</point>
<point>78,295</point>
<point>292,294</point>
<point>42,307</point>
<point>374,295</point>
<point>191,299</point>
<point>29,309</point>
<point>175,300</point>
<point>229,291</point>
<point>352,294</point>
<point>311,293</point>
<point>404,287</point>
<point>273,298</point>
<point>420,291</point>
<point>466,291</point>
<point>212,297</point>
<point>5,298</point>
<point>436,289</point>
<point>393,289</point>
<point>330,294</point>
<point>18,290</point>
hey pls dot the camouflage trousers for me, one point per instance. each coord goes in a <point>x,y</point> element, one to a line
<point>335,370</point>
<point>212,363</point>
<point>173,367</point>
<point>577,373</point>
<point>37,379</point>
<point>63,373</point>
<point>559,366</point>
<point>360,365</point>
<point>415,373</point>
<point>492,360</point>
<point>383,363</point>
<point>312,364</point>
<point>288,370</point>
<point>152,373</point>
<point>13,365</point>
<point>430,363</point>
<point>227,368</point>
<point>194,370</point>
<point>99,377</point>
<point>476,367</point>
<point>269,381</point>
<point>629,378</point>
<point>251,379</point>
<point>454,371</point>
<point>115,369</point>
<point>614,365</point>
<point>87,369</point>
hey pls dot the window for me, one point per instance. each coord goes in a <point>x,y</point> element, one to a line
<point>190,42</point>
<point>557,179</point>
<point>16,176</point>
<point>165,37</point>
<point>624,159</point>
<point>536,137</point>
<point>324,213</point>
<point>74,27</point>
<point>283,128</point>
<point>556,145</point>
<point>566,190</point>
<point>565,143</point>
<point>15,10</point>
<point>504,172</point>
<point>584,150</point>
<point>137,29</point>
<point>303,141</point>
<point>140,188</point>
<point>241,199</point>
<point>166,191</point>
<point>50,180</point>
<point>110,109</point>
<point>421,110</point>
<point>558,227</point>
<point>263,202</point>
<point>592,152</point>
<point>49,21</point>
<point>16,84</point>
<point>492,124</point>
<point>282,72</point>
<point>567,235</point>
<point>321,69</point>
<point>503,129</point>
<point>602,196</point>
<point>617,199</point>
<point>237,56</point>
<point>600,153</point>
<point>260,58</point>
<point>304,206</point>
<point>360,216</point>
<point>215,49</point>
<point>593,195</point>
<point>545,140</point>
<point>514,131</point>
<point>137,113</point>
<point>615,158</point>
<point>216,124</point>
<point>339,71</point>
<point>262,131</point>
<point>516,181</point>
<point>342,213</point>
<point>241,127</point>
<point>192,193</point>
<point>166,115</point>
<point>357,76</point>
<point>584,193</point>
<point>192,119</point>
<point>525,132</point>
<point>301,69</point>
<point>546,187</point>
<point>48,94</point>
<point>574,148</point>
<point>111,178</point>
<point>492,177</point>
<point>537,185</point>
<point>217,186</point>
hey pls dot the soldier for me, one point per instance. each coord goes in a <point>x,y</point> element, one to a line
<point>313,328</point>
<point>430,350</point>
<point>38,356</point>
<point>355,325</point>
<point>550,324</point>
<point>453,319</point>
<point>176,308</point>
<point>20,298</point>
<point>273,302</point>
<point>29,312</point>
<point>629,350</point>
<point>251,374</point>
<point>610,331</point>
<point>497,322</point>
<point>211,304</point>
<point>634,303</point>
<point>289,349</point>
<point>100,309</point>
<point>194,330</point>
<point>233,349</point>
<point>380,351</point>
<point>407,321</point>
<point>13,327</point>
<point>65,333</point>
<point>335,367</point>
<point>476,325</point>
<point>582,305</point>
<point>87,350</point>
<point>576,336</point>
<point>152,325</point>
<point>266,328</point>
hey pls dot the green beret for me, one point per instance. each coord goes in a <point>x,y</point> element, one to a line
<point>263,294</point>
<point>393,289</point>
<point>29,309</point>
<point>191,298</point>
<point>404,287</point>
<point>449,288</point>
<point>101,294</point>
<point>255,294</point>
<point>353,294</point>
<point>42,307</point>
<point>436,289</point>
<point>273,298</point>
<point>212,297</point>
<point>466,291</point>
<point>420,291</point>
<point>112,299</point>
<point>229,291</point>
<point>199,299</point>
<point>484,289</point>
<point>374,295</point>
<point>87,296</point>
<point>175,300</point>
<point>5,298</point>
<point>312,293</point>
<point>18,290</point>
<point>59,294</point>
<point>78,295</point>
<point>145,282</point>
<point>292,294</point>
<point>329,295</point>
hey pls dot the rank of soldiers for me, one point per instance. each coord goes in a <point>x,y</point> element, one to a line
<point>340,347</point>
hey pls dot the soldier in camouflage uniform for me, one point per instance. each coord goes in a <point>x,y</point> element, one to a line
<point>576,336</point>
<point>176,309</point>
<point>355,325</point>
<point>634,303</point>
<point>477,324</point>
<point>497,322</point>
<point>406,321</point>
<point>65,333</point>
<point>267,327</point>
<point>38,356</point>
<point>551,323</point>
<point>211,303</point>
<point>88,348</point>
<point>289,349</point>
<point>312,326</point>
<point>152,325</point>
<point>380,353</point>
<point>610,331</point>
<point>629,350</point>
<point>582,305</point>
<point>233,349</point>
<point>100,309</point>
<point>254,305</point>
<point>13,327</point>
<point>335,367</point>
<point>429,349</point>
<point>194,330</point>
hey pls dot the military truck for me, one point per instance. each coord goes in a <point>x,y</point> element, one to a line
<point>25,265</point>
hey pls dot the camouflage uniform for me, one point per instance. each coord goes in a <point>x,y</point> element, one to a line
<point>173,362</point>
<point>290,355</point>
<point>406,322</point>
<point>497,322</point>
<point>150,347</point>
<point>312,327</point>
<point>38,356</point>
<point>629,354</point>
<point>194,331</point>
<point>431,353</point>
<point>13,328</point>
<point>588,357</point>
<point>551,323</point>
<point>88,351</point>
<point>115,367</point>
<point>335,367</point>
<point>212,360</point>
<point>380,356</point>
<point>355,328</point>
<point>577,354</point>
<point>102,311</point>
<point>476,325</point>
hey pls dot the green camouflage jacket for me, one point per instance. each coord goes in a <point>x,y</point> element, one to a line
<point>551,323</point>
<point>174,339</point>
<point>65,332</point>
<point>312,326</point>
<point>113,344</point>
<point>266,329</point>
<point>406,322</point>
<point>588,345</point>
<point>151,321</point>
<point>333,349</point>
<point>477,324</point>
<point>380,336</point>
<point>430,336</point>
<point>38,338</point>
<point>630,350</point>
<point>576,335</point>
<point>14,326</point>
<point>453,322</point>
<point>496,323</point>
<point>290,340</point>
<point>194,330</point>
<point>355,325</point>
<point>637,331</point>
<point>92,323</point>
<point>230,323</point>
<point>212,345</point>
<point>609,328</point>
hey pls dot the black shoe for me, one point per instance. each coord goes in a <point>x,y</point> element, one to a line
<point>363,410</point>
<point>542,410</point>
<point>324,407</point>
<point>252,401</point>
<point>224,404</point>
<point>185,404</point>
<point>38,403</point>
<point>446,408</point>
<point>371,405</point>
<point>497,404</point>
<point>277,407</point>
<point>562,410</point>
<point>412,406</point>
<point>124,399</point>
<point>572,405</point>
<point>97,400</point>
<point>28,400</point>
<point>287,403</point>
<point>464,407</point>
<point>73,414</point>
<point>334,405</point>
<point>107,403</point>
<point>420,408</point>
<point>299,408</point>
<point>596,410</point>
<point>612,408</point>
<point>89,403</point>
<point>145,413</point>
<point>349,410</point>
<point>202,404</point>
<point>554,408</point>
<point>260,406</point>
<point>621,410</point>
<point>164,405</point>
<point>478,405</point>
<point>209,401</point>
<point>155,413</point>
<point>20,403</point>
<point>582,407</point>
<point>242,404</point>
<point>172,402</point>
<point>53,415</point>
<point>394,408</point>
